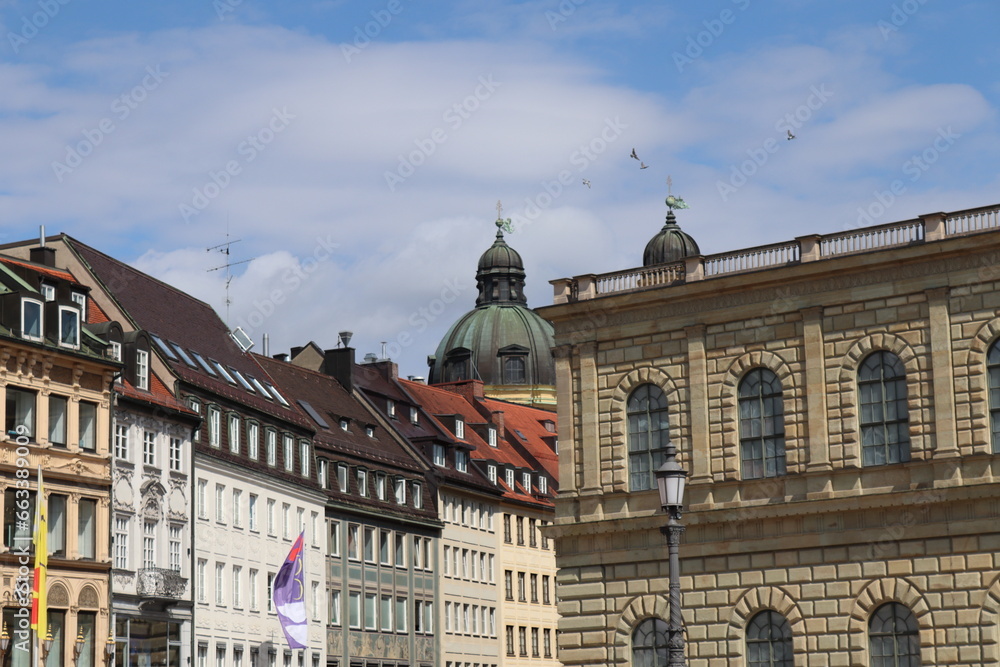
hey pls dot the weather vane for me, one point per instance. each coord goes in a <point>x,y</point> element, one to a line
<point>672,201</point>
<point>505,224</point>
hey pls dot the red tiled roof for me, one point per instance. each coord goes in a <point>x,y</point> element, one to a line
<point>530,422</point>
<point>95,314</point>
<point>158,394</point>
<point>62,274</point>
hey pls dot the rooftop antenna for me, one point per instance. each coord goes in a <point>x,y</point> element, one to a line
<point>224,249</point>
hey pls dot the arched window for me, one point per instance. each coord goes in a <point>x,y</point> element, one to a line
<point>648,433</point>
<point>993,371</point>
<point>769,641</point>
<point>513,370</point>
<point>893,637</point>
<point>649,643</point>
<point>885,421</point>
<point>762,425</point>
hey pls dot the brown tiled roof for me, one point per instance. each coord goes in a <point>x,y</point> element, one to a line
<point>173,315</point>
<point>158,394</point>
<point>381,452</point>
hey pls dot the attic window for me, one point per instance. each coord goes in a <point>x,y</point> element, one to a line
<point>414,415</point>
<point>492,471</point>
<point>390,408</point>
<point>48,292</point>
<point>204,364</point>
<point>281,399</point>
<point>491,436</point>
<point>80,299</point>
<point>520,435</point>
<point>166,349</point>
<point>69,327</point>
<point>184,355</point>
<point>370,431</point>
<point>526,481</point>
<point>242,380</point>
<point>543,484</point>
<point>509,477</point>
<point>311,411</point>
<point>459,428</point>
<point>343,424</point>
<point>549,425</point>
<point>223,372</point>
<point>461,460</point>
<point>514,370</point>
<point>31,319</point>
<point>142,370</point>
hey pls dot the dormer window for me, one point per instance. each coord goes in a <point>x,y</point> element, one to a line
<point>363,482</point>
<point>418,495</point>
<point>370,431</point>
<point>142,370</point>
<point>116,351</point>
<point>400,488</point>
<point>390,408</point>
<point>461,460</point>
<point>344,423</point>
<point>526,481</point>
<point>549,425</point>
<point>48,292</point>
<point>509,477</point>
<point>69,327</point>
<point>492,472</point>
<point>439,458</point>
<point>491,436</point>
<point>459,428</point>
<point>514,370</point>
<point>414,415</point>
<point>342,477</point>
<point>80,299</point>
<point>31,319</point>
<point>543,484</point>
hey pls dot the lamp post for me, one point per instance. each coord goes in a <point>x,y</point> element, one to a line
<point>109,649</point>
<point>4,644</point>
<point>671,479</point>
<point>78,647</point>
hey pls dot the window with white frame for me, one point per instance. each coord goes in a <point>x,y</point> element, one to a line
<point>543,484</point>
<point>270,594</point>
<point>390,408</point>
<point>201,580</point>
<point>400,489</point>
<point>121,542</point>
<point>149,448</point>
<point>491,436</point>
<point>461,460</point>
<point>509,477</point>
<point>418,495</point>
<point>202,499</point>
<point>286,521</point>
<point>142,370</point>
<point>214,426</point>
<point>362,475</point>
<point>270,517</point>
<point>304,457</point>
<point>237,587</point>
<point>253,590</point>
<point>69,327</point>
<point>385,609</point>
<point>334,607</point>
<point>252,512</point>
<point>253,440</point>
<point>174,554</point>
<point>220,584</point>
<point>287,443</point>
<point>380,485</point>
<point>31,319</point>
<point>353,542</point>
<point>220,503</point>
<point>148,544</point>
<point>342,477</point>
<point>335,538</point>
<point>237,508</point>
<point>414,415</point>
<point>526,481</point>
<point>323,473</point>
<point>459,428</point>
<point>491,471</point>
<point>176,454</point>
<point>439,455</point>
<point>121,442</point>
<point>234,433</point>
<point>271,436</point>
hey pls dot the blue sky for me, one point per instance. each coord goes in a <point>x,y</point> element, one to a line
<point>357,149</point>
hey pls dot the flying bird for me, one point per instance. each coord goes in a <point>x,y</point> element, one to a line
<point>634,156</point>
<point>643,165</point>
<point>790,135</point>
<point>586,182</point>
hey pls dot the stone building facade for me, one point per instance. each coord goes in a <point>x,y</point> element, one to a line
<point>836,401</point>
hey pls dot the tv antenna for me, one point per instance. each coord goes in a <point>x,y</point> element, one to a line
<point>224,249</point>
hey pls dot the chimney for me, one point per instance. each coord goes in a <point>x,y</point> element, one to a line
<point>42,254</point>
<point>339,364</point>
<point>498,422</point>
<point>267,346</point>
<point>281,356</point>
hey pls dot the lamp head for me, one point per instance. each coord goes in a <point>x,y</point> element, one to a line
<point>671,480</point>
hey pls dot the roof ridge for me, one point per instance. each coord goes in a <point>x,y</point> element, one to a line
<point>81,244</point>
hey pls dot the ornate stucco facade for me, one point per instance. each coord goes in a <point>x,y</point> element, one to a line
<point>878,489</point>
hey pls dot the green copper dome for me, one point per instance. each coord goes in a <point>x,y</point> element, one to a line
<point>671,244</point>
<point>501,341</point>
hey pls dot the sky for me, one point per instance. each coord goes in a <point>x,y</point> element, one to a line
<point>352,154</point>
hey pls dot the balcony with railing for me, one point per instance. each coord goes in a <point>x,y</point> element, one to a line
<point>819,247</point>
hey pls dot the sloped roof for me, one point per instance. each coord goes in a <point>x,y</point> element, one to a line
<point>173,315</point>
<point>381,452</point>
<point>62,274</point>
<point>158,394</point>
<point>522,419</point>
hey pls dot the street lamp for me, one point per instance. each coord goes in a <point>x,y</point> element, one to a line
<point>4,643</point>
<point>671,479</point>
<point>78,647</point>
<point>47,645</point>
<point>109,649</point>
